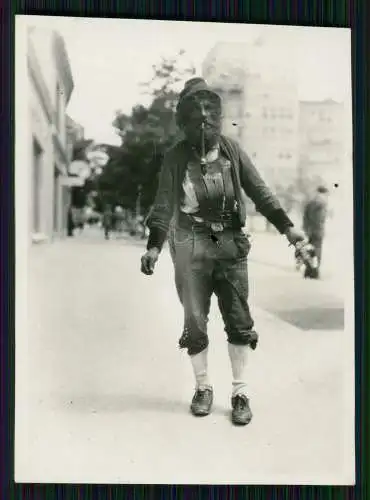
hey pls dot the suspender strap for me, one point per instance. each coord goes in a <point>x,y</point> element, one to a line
<point>228,185</point>
<point>233,154</point>
<point>200,188</point>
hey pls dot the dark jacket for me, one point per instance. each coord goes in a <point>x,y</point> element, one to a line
<point>314,218</point>
<point>245,177</point>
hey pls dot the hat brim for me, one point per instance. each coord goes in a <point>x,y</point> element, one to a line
<point>199,88</point>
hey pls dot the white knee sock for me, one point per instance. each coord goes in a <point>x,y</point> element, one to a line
<point>200,368</point>
<point>238,356</point>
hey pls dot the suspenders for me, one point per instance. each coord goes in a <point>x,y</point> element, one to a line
<point>214,197</point>
<point>230,176</point>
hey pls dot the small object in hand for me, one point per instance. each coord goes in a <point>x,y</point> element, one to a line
<point>306,255</point>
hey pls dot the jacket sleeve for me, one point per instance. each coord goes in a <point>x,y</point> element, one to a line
<point>265,201</point>
<point>161,213</point>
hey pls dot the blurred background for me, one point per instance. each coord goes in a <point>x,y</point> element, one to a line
<point>102,113</point>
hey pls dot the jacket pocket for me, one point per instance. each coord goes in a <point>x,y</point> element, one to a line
<point>243,244</point>
<point>182,236</point>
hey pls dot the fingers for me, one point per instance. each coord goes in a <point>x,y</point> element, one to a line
<point>144,265</point>
<point>147,265</point>
<point>253,344</point>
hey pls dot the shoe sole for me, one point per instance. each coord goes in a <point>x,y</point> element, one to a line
<point>239,423</point>
<point>200,413</point>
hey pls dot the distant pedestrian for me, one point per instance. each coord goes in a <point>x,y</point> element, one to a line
<point>70,224</point>
<point>118,216</point>
<point>107,221</point>
<point>314,219</point>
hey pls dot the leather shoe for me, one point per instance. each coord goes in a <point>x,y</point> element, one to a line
<point>241,412</point>
<point>202,402</point>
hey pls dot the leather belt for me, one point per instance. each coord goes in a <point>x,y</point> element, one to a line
<point>188,222</point>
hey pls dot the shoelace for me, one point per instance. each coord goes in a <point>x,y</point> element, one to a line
<point>200,393</point>
<point>240,403</point>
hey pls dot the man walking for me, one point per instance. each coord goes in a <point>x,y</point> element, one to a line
<point>199,204</point>
<point>314,219</point>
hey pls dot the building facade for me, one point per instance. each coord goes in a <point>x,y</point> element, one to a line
<point>261,107</point>
<point>50,85</point>
<point>321,142</point>
<point>75,131</point>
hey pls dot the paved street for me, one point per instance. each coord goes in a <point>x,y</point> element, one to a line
<point>103,392</point>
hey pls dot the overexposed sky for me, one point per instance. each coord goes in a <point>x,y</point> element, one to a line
<point>110,57</point>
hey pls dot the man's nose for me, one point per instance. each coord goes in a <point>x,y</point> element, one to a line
<point>203,112</point>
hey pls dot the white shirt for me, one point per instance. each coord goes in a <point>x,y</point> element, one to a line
<point>190,204</point>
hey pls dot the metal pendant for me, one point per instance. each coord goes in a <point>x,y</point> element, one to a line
<point>217,227</point>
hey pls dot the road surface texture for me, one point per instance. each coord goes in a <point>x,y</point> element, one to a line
<point>103,392</point>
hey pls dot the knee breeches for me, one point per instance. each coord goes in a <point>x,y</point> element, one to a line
<point>203,266</point>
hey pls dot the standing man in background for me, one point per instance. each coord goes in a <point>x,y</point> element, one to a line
<point>314,219</point>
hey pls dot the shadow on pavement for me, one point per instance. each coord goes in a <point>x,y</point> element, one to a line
<point>129,403</point>
<point>314,318</point>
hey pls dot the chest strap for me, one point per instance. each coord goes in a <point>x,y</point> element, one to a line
<point>214,196</point>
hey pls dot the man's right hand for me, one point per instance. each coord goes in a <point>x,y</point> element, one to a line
<point>148,261</point>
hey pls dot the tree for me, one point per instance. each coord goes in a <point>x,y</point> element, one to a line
<point>146,133</point>
<point>79,151</point>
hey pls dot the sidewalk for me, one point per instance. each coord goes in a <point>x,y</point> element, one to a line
<point>106,391</point>
<point>273,249</point>
<point>269,249</point>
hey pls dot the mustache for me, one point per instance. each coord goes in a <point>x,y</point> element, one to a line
<point>207,123</point>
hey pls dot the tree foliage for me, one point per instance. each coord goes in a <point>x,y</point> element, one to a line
<point>145,133</point>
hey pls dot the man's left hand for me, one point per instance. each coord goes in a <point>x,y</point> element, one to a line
<point>294,235</point>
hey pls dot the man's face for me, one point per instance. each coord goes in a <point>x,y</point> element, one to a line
<point>202,107</point>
